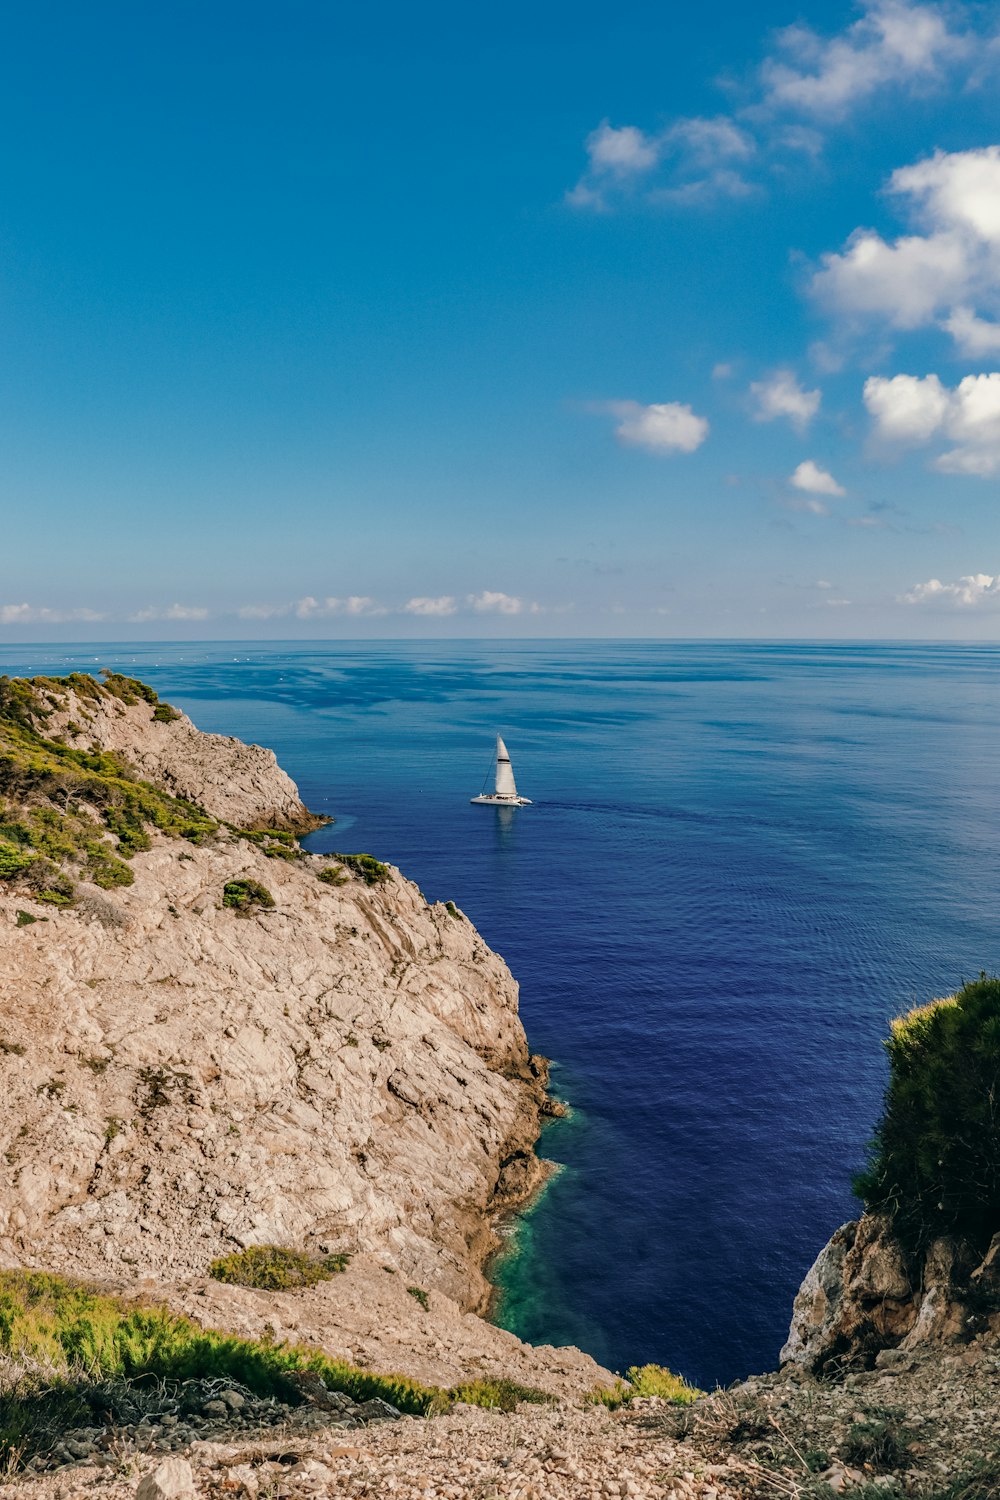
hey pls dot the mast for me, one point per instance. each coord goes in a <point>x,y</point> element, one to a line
<point>505,776</point>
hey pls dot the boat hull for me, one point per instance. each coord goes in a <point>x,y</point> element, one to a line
<point>495,801</point>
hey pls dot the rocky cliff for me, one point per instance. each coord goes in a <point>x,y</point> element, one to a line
<point>866,1299</point>
<point>235,783</point>
<point>322,1060</point>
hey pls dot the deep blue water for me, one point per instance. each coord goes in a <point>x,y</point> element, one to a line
<point>742,861</point>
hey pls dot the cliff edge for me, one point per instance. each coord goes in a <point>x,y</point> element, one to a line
<point>210,1039</point>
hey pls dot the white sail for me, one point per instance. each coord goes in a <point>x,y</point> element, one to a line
<point>505,776</point>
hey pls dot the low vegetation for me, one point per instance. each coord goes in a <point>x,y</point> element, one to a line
<point>334,875</point>
<point>247,896</point>
<point>646,1380</point>
<point>499,1395</point>
<point>372,871</point>
<point>271,1268</point>
<point>419,1295</point>
<point>878,1444</point>
<point>81,1337</point>
<point>934,1163</point>
<point>274,843</point>
<point>68,813</point>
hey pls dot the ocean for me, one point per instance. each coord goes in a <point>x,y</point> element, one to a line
<point>741,862</point>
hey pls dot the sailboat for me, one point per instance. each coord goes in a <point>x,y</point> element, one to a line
<point>505,794</point>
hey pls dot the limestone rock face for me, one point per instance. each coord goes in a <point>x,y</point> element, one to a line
<point>236,783</point>
<point>864,1295</point>
<point>345,1071</point>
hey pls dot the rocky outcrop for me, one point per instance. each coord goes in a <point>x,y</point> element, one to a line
<point>234,782</point>
<point>343,1070</point>
<point>865,1295</point>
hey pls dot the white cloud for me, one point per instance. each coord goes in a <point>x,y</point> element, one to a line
<point>814,480</point>
<point>663,427</point>
<point>803,86</point>
<point>263,611</point>
<point>355,604</point>
<point>949,272</point>
<point>701,154</point>
<point>974,336</point>
<point>894,43</point>
<point>171,612</point>
<point>906,283</point>
<point>782,396</point>
<point>913,410</point>
<point>907,408</point>
<point>973,589</point>
<point>956,189</point>
<point>30,614</point>
<point>620,151</point>
<point>811,505</point>
<point>489,602</point>
<point>616,155</point>
<point>443,605</point>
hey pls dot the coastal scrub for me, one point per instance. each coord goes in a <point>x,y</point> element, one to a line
<point>367,868</point>
<point>934,1163</point>
<point>79,1337</point>
<point>272,1268</point>
<point>247,895</point>
<point>646,1380</point>
<point>70,813</point>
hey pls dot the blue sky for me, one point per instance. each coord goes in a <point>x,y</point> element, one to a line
<point>533,321</point>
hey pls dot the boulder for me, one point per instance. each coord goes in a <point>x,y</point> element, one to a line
<point>173,1479</point>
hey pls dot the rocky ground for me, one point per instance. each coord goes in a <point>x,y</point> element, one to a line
<point>368,1316</point>
<point>925,1426</point>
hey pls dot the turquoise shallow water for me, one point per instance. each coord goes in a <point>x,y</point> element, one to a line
<point>741,862</point>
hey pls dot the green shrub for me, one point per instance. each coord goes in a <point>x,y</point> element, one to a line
<point>499,1395</point>
<point>934,1163</point>
<point>14,860</point>
<point>646,1380</point>
<point>419,1295</point>
<point>333,875</point>
<point>453,910</point>
<point>980,1482</point>
<point>878,1443</point>
<point>25,919</point>
<point>165,713</point>
<point>372,871</point>
<point>106,869</point>
<point>270,1268</point>
<point>80,1337</point>
<point>275,843</point>
<point>245,895</point>
<point>63,794</point>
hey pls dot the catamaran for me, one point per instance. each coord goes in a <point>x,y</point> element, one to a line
<point>505,794</point>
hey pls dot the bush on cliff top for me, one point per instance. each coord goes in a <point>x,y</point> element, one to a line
<point>934,1163</point>
<point>75,811</point>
